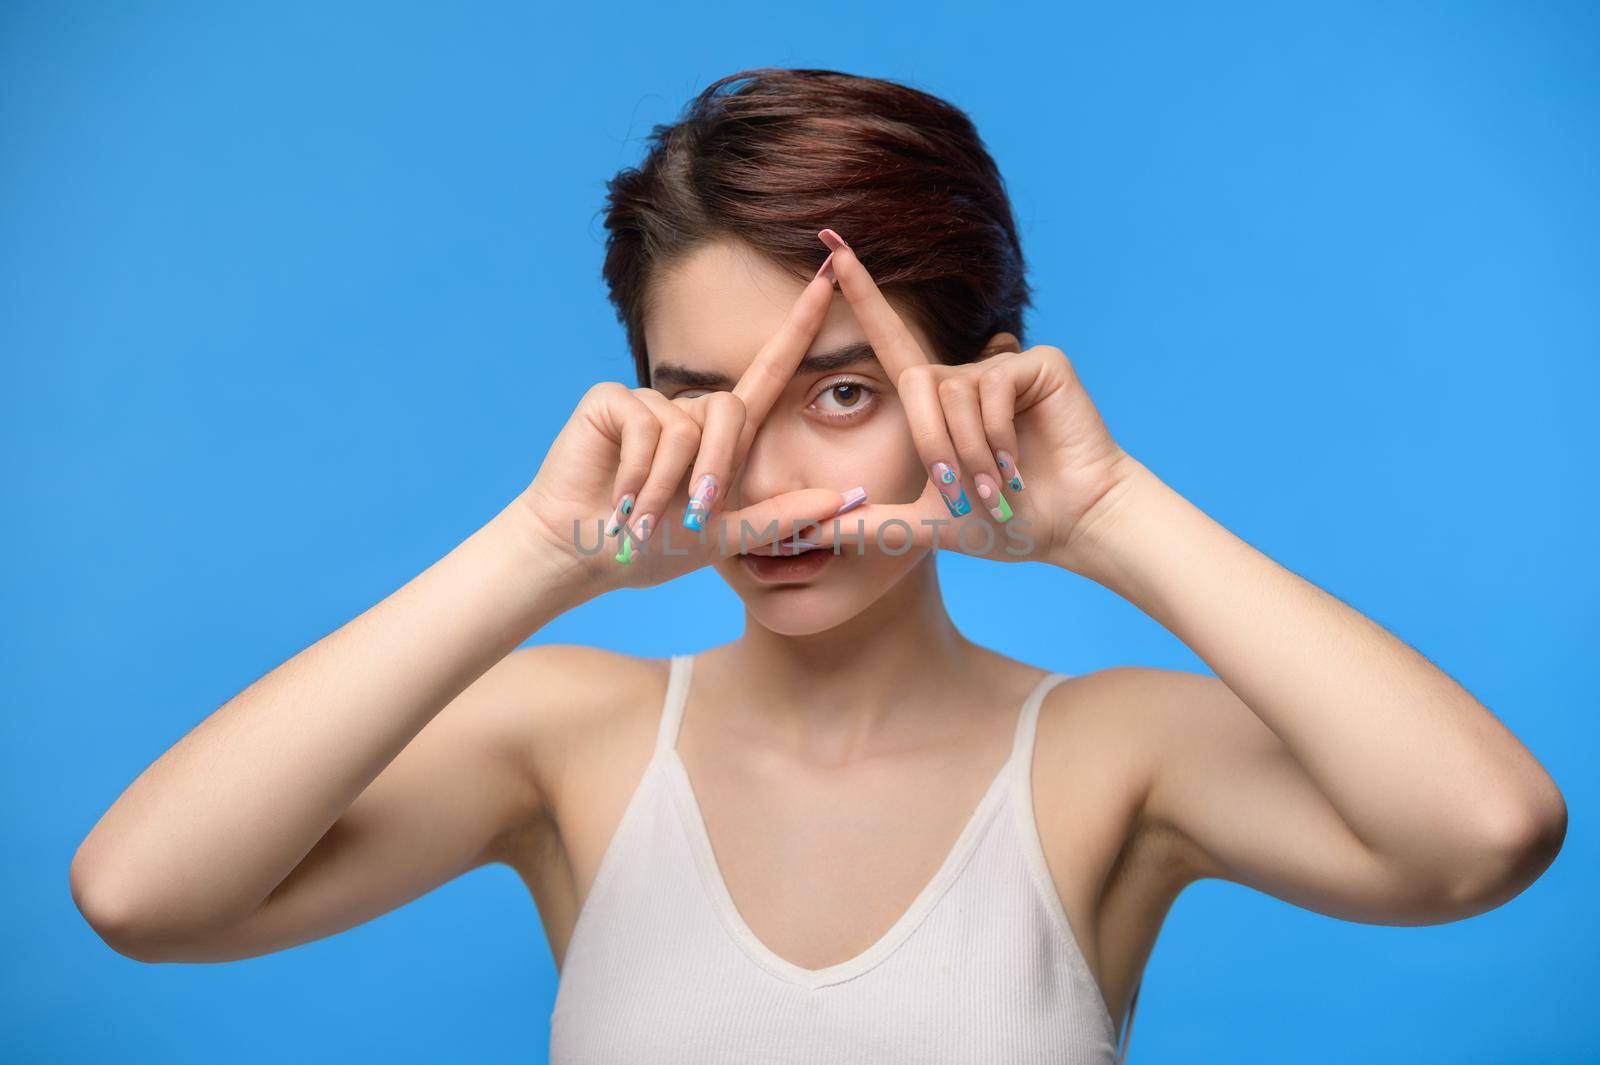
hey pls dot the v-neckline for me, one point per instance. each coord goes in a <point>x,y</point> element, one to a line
<point>722,899</point>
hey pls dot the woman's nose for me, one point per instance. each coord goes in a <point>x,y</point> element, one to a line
<point>773,465</point>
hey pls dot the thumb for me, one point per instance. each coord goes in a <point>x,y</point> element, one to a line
<point>893,528</point>
<point>777,518</point>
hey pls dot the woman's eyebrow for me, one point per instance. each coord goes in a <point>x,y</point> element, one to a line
<point>838,358</point>
<point>822,362</point>
<point>669,374</point>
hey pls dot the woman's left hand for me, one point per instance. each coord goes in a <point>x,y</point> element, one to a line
<point>977,427</point>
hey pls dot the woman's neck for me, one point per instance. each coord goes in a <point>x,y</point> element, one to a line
<point>901,652</point>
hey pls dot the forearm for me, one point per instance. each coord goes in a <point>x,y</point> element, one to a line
<point>1420,771</point>
<point>205,834</point>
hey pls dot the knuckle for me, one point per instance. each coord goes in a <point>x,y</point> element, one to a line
<point>1055,354</point>
<point>602,390</point>
<point>928,438</point>
<point>954,387</point>
<point>639,429</point>
<point>726,405</point>
<point>967,438</point>
<point>683,433</point>
<point>916,378</point>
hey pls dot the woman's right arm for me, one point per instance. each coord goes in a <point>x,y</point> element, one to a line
<point>269,823</point>
<point>393,754</point>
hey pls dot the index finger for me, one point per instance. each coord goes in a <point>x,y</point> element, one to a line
<point>764,380</point>
<point>891,339</point>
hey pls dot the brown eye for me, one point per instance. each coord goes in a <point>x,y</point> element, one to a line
<point>843,399</point>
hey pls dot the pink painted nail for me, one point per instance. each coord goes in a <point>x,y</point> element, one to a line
<point>826,269</point>
<point>641,528</point>
<point>832,239</point>
<point>852,499</point>
<point>1008,470</point>
<point>624,508</point>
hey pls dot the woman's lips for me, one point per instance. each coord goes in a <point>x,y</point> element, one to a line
<point>787,568</point>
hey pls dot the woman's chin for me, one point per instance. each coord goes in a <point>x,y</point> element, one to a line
<point>802,612</point>
<point>796,607</point>
<point>815,595</point>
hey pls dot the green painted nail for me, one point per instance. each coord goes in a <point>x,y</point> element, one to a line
<point>1001,512</point>
<point>625,556</point>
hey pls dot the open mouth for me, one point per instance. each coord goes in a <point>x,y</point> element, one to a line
<point>785,564</point>
<point>783,548</point>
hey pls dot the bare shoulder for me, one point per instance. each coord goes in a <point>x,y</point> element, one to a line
<point>1113,732</point>
<point>588,724</point>
<point>572,699</point>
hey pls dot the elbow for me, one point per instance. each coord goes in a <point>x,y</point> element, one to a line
<point>1519,843</point>
<point>118,913</point>
<point>1529,835</point>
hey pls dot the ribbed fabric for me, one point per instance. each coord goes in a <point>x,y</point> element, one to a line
<point>983,967</point>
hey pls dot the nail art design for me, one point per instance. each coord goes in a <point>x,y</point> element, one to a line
<point>1008,468</point>
<point>705,492</point>
<point>832,239</point>
<point>955,497</point>
<point>625,555</point>
<point>641,528</point>
<point>990,493</point>
<point>624,508</point>
<point>853,498</point>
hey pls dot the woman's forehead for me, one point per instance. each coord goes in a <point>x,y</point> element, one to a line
<point>714,308</point>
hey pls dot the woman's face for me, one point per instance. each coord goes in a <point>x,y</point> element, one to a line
<point>838,424</point>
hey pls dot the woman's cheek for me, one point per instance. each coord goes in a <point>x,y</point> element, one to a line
<point>877,454</point>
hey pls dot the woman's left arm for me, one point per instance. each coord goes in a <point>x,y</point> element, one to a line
<point>1328,762</point>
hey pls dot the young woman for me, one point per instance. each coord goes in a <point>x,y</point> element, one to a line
<point>851,834</point>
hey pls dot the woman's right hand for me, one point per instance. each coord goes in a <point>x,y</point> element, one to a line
<point>310,801</point>
<point>633,465</point>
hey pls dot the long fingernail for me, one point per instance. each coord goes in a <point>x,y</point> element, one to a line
<point>832,239</point>
<point>991,495</point>
<point>1008,470</point>
<point>705,491</point>
<point>641,528</point>
<point>625,555</point>
<point>955,497</point>
<point>852,499</point>
<point>826,269</point>
<point>624,508</point>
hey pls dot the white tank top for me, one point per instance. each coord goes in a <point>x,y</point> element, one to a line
<point>983,967</point>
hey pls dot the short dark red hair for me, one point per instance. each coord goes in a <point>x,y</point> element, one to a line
<point>769,156</point>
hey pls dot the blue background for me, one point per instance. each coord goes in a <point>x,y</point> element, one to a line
<point>293,298</point>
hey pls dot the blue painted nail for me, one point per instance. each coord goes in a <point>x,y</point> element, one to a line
<point>705,492</point>
<point>950,490</point>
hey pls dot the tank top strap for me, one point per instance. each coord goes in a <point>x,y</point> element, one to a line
<point>672,705</point>
<point>1127,1024</point>
<point>1028,719</point>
